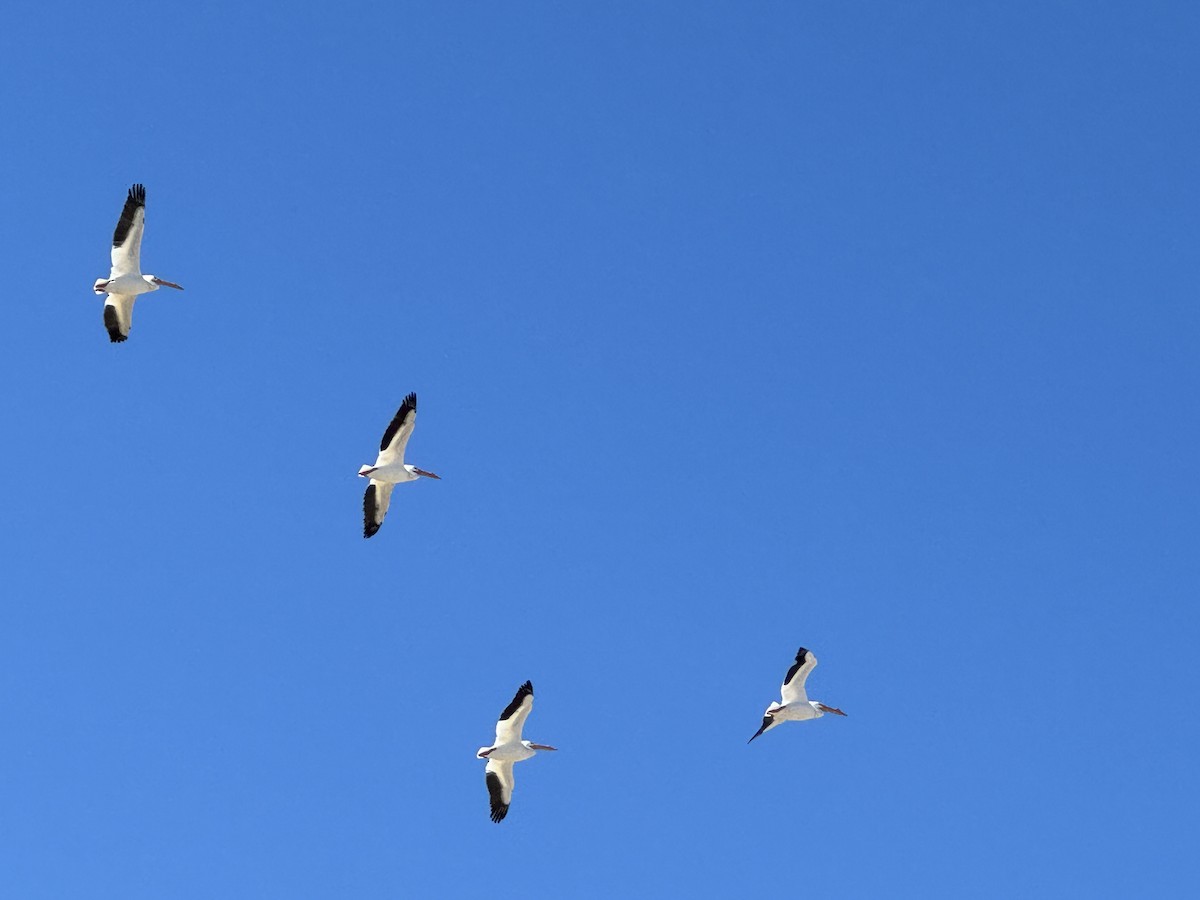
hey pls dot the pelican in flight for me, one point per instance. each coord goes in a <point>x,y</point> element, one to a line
<point>796,707</point>
<point>509,749</point>
<point>390,469</point>
<point>126,280</point>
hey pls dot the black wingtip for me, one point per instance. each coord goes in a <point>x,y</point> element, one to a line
<point>801,659</point>
<point>113,326</point>
<point>525,690</point>
<point>766,723</point>
<point>370,526</point>
<point>499,809</point>
<point>408,406</point>
<point>135,201</point>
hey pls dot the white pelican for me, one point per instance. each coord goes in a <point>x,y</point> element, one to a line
<point>126,280</point>
<point>509,749</point>
<point>390,469</point>
<point>796,707</point>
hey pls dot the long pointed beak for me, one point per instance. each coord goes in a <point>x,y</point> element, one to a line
<point>366,473</point>
<point>439,478</point>
<point>177,287</point>
<point>484,754</point>
<point>831,709</point>
<point>541,746</point>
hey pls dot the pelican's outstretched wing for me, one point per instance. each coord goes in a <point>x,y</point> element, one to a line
<point>512,720</point>
<point>375,505</point>
<point>118,316</point>
<point>399,430</point>
<point>793,682</point>
<point>127,239</point>
<point>768,723</point>
<point>500,787</point>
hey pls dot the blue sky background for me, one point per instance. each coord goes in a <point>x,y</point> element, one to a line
<point>736,327</point>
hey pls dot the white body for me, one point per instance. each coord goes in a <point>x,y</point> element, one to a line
<point>511,752</point>
<point>396,473</point>
<point>795,712</point>
<point>127,283</point>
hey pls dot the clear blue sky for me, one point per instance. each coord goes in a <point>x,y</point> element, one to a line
<point>736,327</point>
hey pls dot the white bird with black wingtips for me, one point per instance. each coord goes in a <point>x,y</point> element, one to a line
<point>390,469</point>
<point>508,750</point>
<point>796,707</point>
<point>125,280</point>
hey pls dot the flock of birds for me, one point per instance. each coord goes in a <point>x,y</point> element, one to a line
<point>125,283</point>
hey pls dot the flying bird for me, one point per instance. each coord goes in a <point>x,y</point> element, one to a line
<point>125,281</point>
<point>509,749</point>
<point>796,707</point>
<point>390,469</point>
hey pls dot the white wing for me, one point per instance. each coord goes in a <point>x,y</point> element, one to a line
<point>512,720</point>
<point>127,239</point>
<point>500,787</point>
<point>399,430</point>
<point>118,316</point>
<point>793,682</point>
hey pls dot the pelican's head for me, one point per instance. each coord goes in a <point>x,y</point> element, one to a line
<point>101,285</point>
<point>485,752</point>
<point>530,745</point>
<point>155,283</point>
<point>420,473</point>
<point>365,471</point>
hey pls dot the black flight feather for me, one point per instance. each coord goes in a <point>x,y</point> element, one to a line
<point>496,795</point>
<point>409,405</point>
<point>370,526</point>
<point>135,201</point>
<point>801,657</point>
<point>113,324</point>
<point>525,690</point>
<point>767,720</point>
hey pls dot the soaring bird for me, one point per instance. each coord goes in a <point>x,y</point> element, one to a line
<point>796,707</point>
<point>125,281</point>
<point>390,469</point>
<point>509,749</point>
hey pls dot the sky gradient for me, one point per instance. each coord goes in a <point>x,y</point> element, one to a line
<point>736,327</point>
